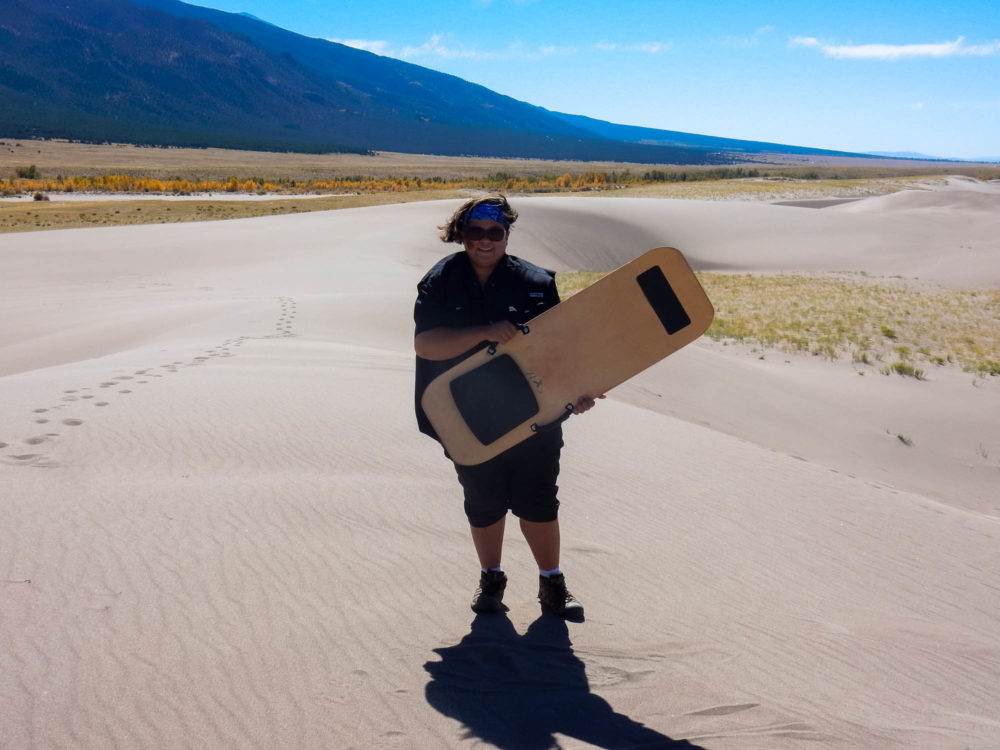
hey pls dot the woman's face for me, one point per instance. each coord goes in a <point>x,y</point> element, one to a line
<point>484,252</point>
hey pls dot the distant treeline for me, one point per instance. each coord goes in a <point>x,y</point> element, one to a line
<point>27,179</point>
<point>137,134</point>
<point>719,173</point>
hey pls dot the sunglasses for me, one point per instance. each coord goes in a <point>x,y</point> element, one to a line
<point>493,234</point>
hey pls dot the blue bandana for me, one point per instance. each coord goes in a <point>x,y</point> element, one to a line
<point>488,211</point>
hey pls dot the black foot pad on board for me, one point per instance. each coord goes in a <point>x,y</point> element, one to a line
<point>663,300</point>
<point>494,398</point>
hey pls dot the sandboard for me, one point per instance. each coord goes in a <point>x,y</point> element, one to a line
<point>596,339</point>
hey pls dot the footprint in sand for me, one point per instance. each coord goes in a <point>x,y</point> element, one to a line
<point>724,710</point>
<point>72,422</point>
<point>37,440</point>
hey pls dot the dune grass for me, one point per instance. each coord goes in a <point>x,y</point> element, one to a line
<point>777,189</point>
<point>882,324</point>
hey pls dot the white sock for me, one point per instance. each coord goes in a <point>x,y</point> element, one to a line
<point>549,573</point>
<point>497,569</point>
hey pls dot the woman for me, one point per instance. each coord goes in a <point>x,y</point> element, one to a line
<point>466,301</point>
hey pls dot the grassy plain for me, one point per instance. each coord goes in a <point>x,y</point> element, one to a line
<point>27,216</point>
<point>884,324</point>
<point>62,157</point>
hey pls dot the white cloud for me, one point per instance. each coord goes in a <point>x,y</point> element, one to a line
<point>956,48</point>
<point>804,41</point>
<point>436,47</point>
<point>651,48</point>
<point>745,42</point>
<point>379,47</point>
<point>518,51</point>
<point>550,50</point>
<point>445,47</point>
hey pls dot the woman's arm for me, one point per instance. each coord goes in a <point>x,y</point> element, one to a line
<point>446,343</point>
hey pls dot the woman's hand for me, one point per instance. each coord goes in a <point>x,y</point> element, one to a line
<point>445,343</point>
<point>501,332</point>
<point>584,403</point>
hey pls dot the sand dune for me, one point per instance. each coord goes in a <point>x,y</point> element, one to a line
<point>221,528</point>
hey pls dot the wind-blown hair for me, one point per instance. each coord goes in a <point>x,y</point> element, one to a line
<point>452,231</point>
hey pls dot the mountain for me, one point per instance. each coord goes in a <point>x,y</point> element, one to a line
<point>925,157</point>
<point>168,73</point>
<point>905,155</point>
<point>676,139</point>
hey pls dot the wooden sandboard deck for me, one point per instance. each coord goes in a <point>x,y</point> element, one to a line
<point>596,339</point>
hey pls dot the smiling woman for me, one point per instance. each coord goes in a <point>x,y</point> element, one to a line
<point>466,301</point>
<point>483,231</point>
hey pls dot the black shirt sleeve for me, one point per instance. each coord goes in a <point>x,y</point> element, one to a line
<point>430,310</point>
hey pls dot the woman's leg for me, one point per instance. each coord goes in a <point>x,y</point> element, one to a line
<point>543,539</point>
<point>488,541</point>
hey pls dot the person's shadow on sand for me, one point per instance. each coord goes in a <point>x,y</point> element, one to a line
<point>516,692</point>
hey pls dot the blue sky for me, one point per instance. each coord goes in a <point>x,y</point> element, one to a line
<point>892,75</point>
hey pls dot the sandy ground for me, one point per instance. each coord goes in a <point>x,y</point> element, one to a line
<point>221,528</point>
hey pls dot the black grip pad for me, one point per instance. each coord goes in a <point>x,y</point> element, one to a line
<point>494,398</point>
<point>663,300</point>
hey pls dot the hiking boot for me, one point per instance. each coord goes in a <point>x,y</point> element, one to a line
<point>555,597</point>
<point>489,594</point>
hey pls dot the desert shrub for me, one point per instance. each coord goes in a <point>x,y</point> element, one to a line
<point>903,368</point>
<point>989,367</point>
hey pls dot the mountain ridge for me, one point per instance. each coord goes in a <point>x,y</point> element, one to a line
<point>165,72</point>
